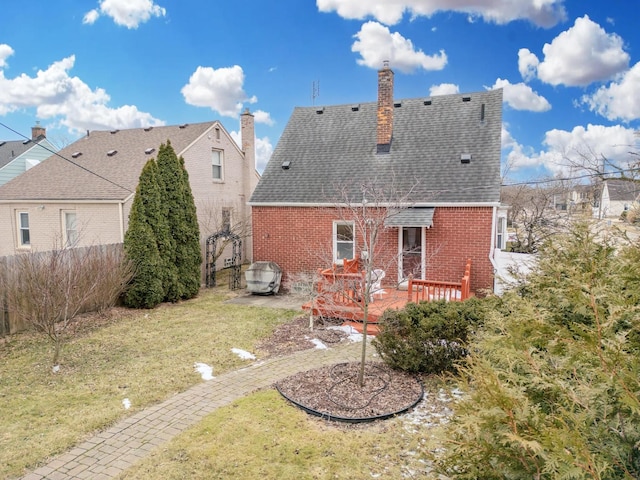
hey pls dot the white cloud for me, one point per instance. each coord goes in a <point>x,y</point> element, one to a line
<point>221,90</point>
<point>264,149</point>
<point>263,117</point>
<point>5,52</point>
<point>375,44</point>
<point>90,17</point>
<point>583,54</point>
<point>128,13</point>
<point>444,89</point>
<point>520,96</point>
<point>545,13</point>
<point>527,64</point>
<point>619,100</point>
<point>565,149</point>
<point>55,94</point>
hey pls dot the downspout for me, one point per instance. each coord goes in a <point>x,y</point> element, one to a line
<point>492,249</point>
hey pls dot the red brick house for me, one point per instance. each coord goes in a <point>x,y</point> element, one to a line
<point>444,150</point>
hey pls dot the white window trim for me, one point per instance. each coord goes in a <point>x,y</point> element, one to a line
<point>65,233</point>
<point>20,228</point>
<point>221,165</point>
<point>336,223</point>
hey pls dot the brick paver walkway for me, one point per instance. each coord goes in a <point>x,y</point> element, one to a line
<point>109,453</point>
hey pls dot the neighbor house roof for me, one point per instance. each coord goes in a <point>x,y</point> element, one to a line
<point>11,149</point>
<point>103,165</point>
<point>444,149</point>
<point>623,190</point>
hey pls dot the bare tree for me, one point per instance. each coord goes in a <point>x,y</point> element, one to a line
<point>378,201</point>
<point>48,290</point>
<point>532,213</point>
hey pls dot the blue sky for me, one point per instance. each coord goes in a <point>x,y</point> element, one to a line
<point>570,69</point>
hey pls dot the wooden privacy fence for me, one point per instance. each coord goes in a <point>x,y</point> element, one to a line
<point>9,322</point>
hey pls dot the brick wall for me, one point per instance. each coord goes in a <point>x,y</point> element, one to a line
<point>299,239</point>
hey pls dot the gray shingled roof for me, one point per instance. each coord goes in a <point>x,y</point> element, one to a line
<point>623,190</point>
<point>337,148</point>
<point>94,175</point>
<point>11,149</point>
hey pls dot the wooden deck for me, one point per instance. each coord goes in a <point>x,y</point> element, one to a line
<point>339,295</point>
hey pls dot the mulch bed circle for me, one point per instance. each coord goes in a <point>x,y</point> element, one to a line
<point>333,392</point>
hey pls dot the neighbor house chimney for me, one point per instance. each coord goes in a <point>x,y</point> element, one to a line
<point>247,132</point>
<point>38,131</point>
<point>385,108</point>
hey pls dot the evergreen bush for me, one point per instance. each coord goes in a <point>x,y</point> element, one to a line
<point>141,245</point>
<point>429,337</point>
<point>552,386</point>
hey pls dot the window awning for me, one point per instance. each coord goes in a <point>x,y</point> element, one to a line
<point>410,217</point>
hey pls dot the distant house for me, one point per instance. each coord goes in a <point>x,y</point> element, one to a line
<point>618,196</point>
<point>18,156</point>
<point>83,195</point>
<point>577,199</point>
<point>445,150</point>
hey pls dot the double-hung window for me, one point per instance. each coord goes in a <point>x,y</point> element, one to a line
<point>343,241</point>
<point>24,237</point>
<point>216,164</point>
<point>70,228</point>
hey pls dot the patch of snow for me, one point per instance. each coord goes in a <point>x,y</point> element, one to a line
<point>318,343</point>
<point>55,369</point>
<point>354,335</point>
<point>243,354</point>
<point>126,403</point>
<point>205,370</point>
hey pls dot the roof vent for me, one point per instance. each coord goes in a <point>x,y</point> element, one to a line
<point>466,99</point>
<point>397,104</point>
<point>111,153</point>
<point>26,141</point>
<point>184,125</point>
<point>113,132</point>
<point>427,101</point>
<point>355,108</point>
<point>76,154</point>
<point>286,165</point>
<point>320,110</point>
<point>465,158</point>
<point>148,129</point>
<point>149,150</point>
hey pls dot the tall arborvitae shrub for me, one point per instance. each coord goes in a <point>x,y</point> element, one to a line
<point>188,250</point>
<point>169,181</point>
<point>552,382</point>
<point>182,221</point>
<point>140,244</point>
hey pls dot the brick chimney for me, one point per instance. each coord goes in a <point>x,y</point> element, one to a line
<point>38,131</point>
<point>247,132</point>
<point>385,109</point>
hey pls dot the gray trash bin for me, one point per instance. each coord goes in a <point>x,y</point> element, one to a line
<point>263,278</point>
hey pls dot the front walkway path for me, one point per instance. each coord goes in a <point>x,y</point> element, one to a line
<point>114,450</point>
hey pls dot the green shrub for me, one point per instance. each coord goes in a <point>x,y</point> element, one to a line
<point>551,387</point>
<point>428,337</point>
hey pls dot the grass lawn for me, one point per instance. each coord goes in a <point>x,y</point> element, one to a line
<point>261,436</point>
<point>142,355</point>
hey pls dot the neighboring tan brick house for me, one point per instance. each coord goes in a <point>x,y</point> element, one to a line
<point>82,195</point>
<point>444,149</point>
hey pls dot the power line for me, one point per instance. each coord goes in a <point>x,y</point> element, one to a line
<point>566,179</point>
<point>67,160</point>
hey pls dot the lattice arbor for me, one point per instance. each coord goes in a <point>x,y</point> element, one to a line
<point>234,263</point>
